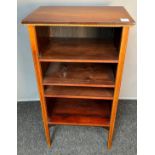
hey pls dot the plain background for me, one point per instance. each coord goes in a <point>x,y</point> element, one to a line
<point>27,89</point>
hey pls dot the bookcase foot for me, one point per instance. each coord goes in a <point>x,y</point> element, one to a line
<point>109,144</point>
<point>47,136</point>
<point>48,140</point>
<point>110,135</point>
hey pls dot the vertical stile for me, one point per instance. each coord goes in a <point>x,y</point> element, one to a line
<point>122,53</point>
<point>35,54</point>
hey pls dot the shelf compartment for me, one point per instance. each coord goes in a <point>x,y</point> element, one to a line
<point>77,74</point>
<point>79,92</point>
<point>79,50</point>
<point>79,112</point>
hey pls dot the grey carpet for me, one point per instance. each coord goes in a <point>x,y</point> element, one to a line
<point>74,140</point>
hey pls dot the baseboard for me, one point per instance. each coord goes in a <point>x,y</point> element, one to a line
<point>128,98</point>
<point>28,100</point>
<point>37,100</point>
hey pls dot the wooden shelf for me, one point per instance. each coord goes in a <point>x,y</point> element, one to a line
<point>79,50</point>
<point>76,74</point>
<point>79,112</point>
<point>78,55</point>
<point>79,92</point>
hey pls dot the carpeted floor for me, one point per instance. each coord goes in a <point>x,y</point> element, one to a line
<point>74,140</point>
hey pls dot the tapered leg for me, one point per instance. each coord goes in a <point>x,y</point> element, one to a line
<point>124,38</point>
<point>35,54</point>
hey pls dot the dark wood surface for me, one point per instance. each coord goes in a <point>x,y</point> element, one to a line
<point>105,15</point>
<point>79,92</point>
<point>77,74</point>
<point>79,112</point>
<point>79,50</point>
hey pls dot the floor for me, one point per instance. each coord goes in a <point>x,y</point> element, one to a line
<point>74,140</point>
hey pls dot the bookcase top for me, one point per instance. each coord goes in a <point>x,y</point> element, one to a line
<point>79,16</point>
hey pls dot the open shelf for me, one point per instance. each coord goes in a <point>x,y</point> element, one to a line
<point>77,74</point>
<point>78,55</point>
<point>79,92</point>
<point>79,112</point>
<point>79,50</point>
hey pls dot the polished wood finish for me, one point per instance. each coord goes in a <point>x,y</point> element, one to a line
<point>79,112</point>
<point>79,92</point>
<point>34,46</point>
<point>79,50</point>
<point>79,78</point>
<point>79,15</point>
<point>79,120</point>
<point>91,75</point>
<point>123,46</point>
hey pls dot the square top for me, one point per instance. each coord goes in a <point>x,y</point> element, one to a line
<point>80,15</point>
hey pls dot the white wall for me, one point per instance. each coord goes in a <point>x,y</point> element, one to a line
<point>27,89</point>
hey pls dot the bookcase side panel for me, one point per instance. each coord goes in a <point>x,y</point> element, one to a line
<point>122,52</point>
<point>35,53</point>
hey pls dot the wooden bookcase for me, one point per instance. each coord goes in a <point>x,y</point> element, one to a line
<point>78,55</point>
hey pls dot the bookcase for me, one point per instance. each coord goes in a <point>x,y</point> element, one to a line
<point>78,55</point>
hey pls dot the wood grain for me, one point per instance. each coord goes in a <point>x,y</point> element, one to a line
<point>81,32</point>
<point>34,46</point>
<point>79,50</point>
<point>79,120</point>
<point>79,112</point>
<point>77,74</point>
<point>79,92</point>
<point>123,46</point>
<point>85,15</point>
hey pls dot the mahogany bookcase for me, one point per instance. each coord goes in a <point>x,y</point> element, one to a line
<point>78,55</point>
